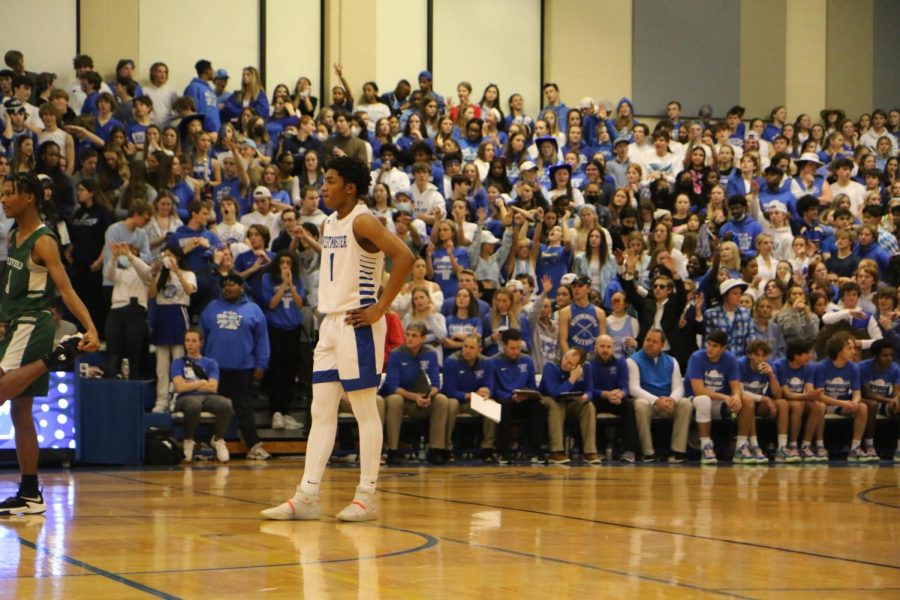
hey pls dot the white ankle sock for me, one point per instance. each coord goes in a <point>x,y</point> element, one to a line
<point>782,440</point>
<point>705,441</point>
<point>754,442</point>
<point>741,440</point>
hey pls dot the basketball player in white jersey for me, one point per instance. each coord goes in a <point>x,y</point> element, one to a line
<point>350,352</point>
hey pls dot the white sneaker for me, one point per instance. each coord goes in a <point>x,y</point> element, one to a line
<point>362,508</point>
<point>188,446</point>
<point>302,507</point>
<point>221,449</point>
<point>278,421</point>
<point>291,423</point>
<point>161,407</point>
<point>257,452</point>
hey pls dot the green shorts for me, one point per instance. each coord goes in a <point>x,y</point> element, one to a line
<point>28,338</point>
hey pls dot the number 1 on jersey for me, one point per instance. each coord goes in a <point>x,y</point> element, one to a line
<point>331,267</point>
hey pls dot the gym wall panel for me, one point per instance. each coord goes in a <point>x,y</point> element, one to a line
<point>180,33</point>
<point>44,31</point>
<point>110,31</point>
<point>686,50</point>
<point>849,55</point>
<point>587,50</point>
<point>401,42</point>
<point>501,46</point>
<point>804,59</point>
<point>763,43</point>
<point>886,76</point>
<point>292,43</point>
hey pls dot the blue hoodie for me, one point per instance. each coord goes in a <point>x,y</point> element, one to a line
<point>205,100</point>
<point>745,232</point>
<point>235,334</point>
<point>198,260</point>
<point>404,368</point>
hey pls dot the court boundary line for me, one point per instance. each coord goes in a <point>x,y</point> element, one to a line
<point>864,496</point>
<point>95,570</point>
<point>651,529</point>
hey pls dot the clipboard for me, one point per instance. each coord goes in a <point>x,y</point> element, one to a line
<point>485,406</point>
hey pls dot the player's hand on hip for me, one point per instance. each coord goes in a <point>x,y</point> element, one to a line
<point>360,317</point>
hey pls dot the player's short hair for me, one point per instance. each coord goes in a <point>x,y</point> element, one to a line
<point>879,345</point>
<point>195,330</point>
<point>756,345</point>
<point>418,327</point>
<point>352,170</point>
<point>510,335</point>
<point>26,183</point>
<point>798,346</point>
<point>837,343</point>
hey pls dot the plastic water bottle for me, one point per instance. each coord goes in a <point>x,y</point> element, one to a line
<point>423,453</point>
<point>126,370</point>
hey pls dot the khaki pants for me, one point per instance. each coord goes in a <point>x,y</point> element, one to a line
<point>644,411</point>
<point>488,427</point>
<point>559,412</point>
<point>396,407</point>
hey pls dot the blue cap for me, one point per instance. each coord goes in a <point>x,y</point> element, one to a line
<point>426,74</point>
<point>619,140</point>
<point>221,74</point>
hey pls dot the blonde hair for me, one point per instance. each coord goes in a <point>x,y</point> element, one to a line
<point>735,263</point>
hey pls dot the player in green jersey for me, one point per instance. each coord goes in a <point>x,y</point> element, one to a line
<point>33,274</point>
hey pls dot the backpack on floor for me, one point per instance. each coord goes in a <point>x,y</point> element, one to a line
<point>160,448</point>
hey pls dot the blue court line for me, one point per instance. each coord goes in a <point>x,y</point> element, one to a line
<point>430,542</point>
<point>652,529</point>
<point>571,563</point>
<point>864,496</point>
<point>97,570</point>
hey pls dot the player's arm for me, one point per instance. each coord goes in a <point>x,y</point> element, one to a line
<point>183,386</point>
<point>869,394</point>
<point>372,235</point>
<point>47,253</point>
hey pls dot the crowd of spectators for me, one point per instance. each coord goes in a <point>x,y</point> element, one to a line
<point>694,268</point>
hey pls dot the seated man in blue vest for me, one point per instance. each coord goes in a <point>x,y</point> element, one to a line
<point>609,377</point>
<point>656,384</point>
<point>512,373</point>
<point>465,372</point>
<point>715,381</point>
<point>566,389</point>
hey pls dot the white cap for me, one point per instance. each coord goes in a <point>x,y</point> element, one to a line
<point>730,284</point>
<point>262,191</point>
<point>567,279</point>
<point>487,237</point>
<point>776,205</point>
<point>527,166</point>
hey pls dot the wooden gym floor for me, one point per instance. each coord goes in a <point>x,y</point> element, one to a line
<point>462,532</point>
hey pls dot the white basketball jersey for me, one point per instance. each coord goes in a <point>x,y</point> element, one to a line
<point>349,276</point>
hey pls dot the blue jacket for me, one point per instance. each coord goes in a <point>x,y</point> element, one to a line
<point>876,253</point>
<point>404,368</point>
<point>608,376</point>
<point>461,379</point>
<point>234,106</point>
<point>555,381</point>
<point>506,376</point>
<point>205,100</point>
<point>235,334</point>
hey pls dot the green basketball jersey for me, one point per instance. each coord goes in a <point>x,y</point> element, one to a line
<point>27,287</point>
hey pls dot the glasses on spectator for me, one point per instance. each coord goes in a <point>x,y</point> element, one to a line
<point>661,286</point>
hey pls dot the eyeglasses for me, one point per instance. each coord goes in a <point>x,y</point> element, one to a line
<point>661,286</point>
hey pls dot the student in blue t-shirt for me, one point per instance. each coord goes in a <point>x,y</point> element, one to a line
<point>196,381</point>
<point>881,386</point>
<point>554,257</point>
<point>795,375</point>
<point>715,380</point>
<point>283,298</point>
<point>759,386</point>
<point>837,376</point>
